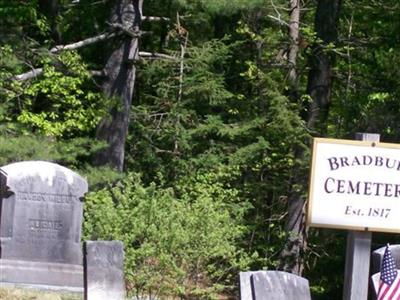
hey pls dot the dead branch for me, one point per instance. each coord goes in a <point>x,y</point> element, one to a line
<point>28,75</point>
<point>279,20</point>
<point>153,55</point>
<point>151,18</point>
<point>184,36</point>
<point>39,71</point>
<point>99,73</point>
<point>126,30</point>
<point>92,40</point>
<point>85,42</point>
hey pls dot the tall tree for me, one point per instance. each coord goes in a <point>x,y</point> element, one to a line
<point>294,34</point>
<point>320,62</point>
<point>120,72</point>
<point>319,88</point>
<point>291,255</point>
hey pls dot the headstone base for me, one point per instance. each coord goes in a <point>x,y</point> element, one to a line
<point>53,275</point>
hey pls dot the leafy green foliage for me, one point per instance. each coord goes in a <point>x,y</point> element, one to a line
<point>174,244</point>
<point>216,143</point>
<point>57,105</point>
<point>222,6</point>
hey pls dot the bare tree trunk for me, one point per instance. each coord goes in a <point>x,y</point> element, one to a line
<point>320,62</point>
<point>319,88</point>
<point>294,25</point>
<point>120,74</point>
<point>291,255</point>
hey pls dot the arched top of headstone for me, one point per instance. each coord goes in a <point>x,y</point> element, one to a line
<point>275,285</point>
<point>38,175</point>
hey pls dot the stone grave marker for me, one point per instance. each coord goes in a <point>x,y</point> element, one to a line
<point>104,270</point>
<point>245,285</point>
<point>40,224</point>
<point>377,256</point>
<point>375,284</point>
<point>277,285</point>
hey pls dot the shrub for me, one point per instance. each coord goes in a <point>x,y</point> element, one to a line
<point>178,242</point>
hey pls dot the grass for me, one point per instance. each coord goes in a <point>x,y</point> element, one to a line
<point>25,294</point>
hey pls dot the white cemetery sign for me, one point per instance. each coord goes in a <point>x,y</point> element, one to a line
<point>355,185</point>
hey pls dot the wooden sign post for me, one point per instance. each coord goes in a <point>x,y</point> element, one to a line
<point>358,252</point>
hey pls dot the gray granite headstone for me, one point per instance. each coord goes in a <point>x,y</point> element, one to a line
<point>40,224</point>
<point>375,283</point>
<point>245,285</point>
<point>276,285</point>
<point>377,257</point>
<point>104,270</point>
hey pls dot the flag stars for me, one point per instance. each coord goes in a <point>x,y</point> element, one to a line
<point>389,286</point>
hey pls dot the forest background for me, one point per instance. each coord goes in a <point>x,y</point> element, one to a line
<point>192,121</point>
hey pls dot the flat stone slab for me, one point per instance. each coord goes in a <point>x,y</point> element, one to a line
<point>41,287</point>
<point>53,275</point>
<point>104,270</point>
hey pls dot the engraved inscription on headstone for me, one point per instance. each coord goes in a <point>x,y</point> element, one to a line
<point>40,218</point>
<point>276,285</point>
<point>104,270</point>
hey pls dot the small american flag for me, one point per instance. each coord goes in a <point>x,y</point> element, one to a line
<point>389,283</point>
